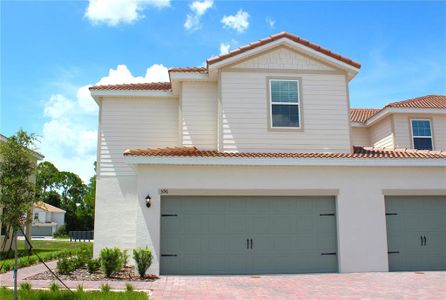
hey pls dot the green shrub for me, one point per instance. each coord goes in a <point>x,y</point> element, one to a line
<point>143,259</point>
<point>54,287</point>
<point>125,257</point>
<point>66,265</point>
<point>93,265</point>
<point>129,287</point>
<point>111,260</point>
<point>84,254</point>
<point>61,232</point>
<point>25,286</point>
<point>105,288</point>
<point>7,266</point>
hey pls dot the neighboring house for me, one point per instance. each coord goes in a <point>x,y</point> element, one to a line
<point>46,219</point>
<point>256,164</point>
<point>3,227</point>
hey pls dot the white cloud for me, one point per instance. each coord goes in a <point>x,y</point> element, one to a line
<point>69,135</point>
<point>57,106</point>
<point>238,22</point>
<point>198,9</point>
<point>224,48</point>
<point>114,12</point>
<point>270,21</point>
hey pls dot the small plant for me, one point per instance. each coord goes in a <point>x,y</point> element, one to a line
<point>125,257</point>
<point>61,232</point>
<point>66,265</point>
<point>84,255</point>
<point>143,259</point>
<point>93,265</point>
<point>54,287</point>
<point>129,287</point>
<point>80,288</point>
<point>105,288</point>
<point>111,260</point>
<point>25,286</point>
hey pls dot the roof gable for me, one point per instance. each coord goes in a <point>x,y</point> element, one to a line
<point>292,41</point>
<point>283,57</point>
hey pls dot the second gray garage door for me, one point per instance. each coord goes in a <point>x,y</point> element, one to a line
<point>416,233</point>
<point>248,235</point>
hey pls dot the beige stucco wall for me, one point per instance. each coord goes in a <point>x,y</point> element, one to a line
<point>198,111</point>
<point>132,123</point>
<point>115,212</point>
<point>360,214</point>
<point>403,131</point>
<point>360,136</point>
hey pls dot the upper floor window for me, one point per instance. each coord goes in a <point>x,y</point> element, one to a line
<point>422,134</point>
<point>285,103</point>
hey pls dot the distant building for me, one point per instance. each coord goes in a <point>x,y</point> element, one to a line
<point>46,219</point>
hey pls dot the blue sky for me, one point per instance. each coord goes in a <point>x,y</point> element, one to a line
<point>52,50</point>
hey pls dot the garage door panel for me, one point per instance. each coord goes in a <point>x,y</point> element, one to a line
<point>416,228</point>
<point>260,223</point>
<point>284,224</point>
<point>236,224</point>
<point>235,244</point>
<point>235,205</point>
<point>325,225</point>
<point>288,235</point>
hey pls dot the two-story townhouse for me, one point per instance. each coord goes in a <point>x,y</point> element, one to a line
<point>256,164</point>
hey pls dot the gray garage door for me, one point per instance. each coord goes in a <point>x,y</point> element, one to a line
<point>42,231</point>
<point>248,235</point>
<point>416,233</point>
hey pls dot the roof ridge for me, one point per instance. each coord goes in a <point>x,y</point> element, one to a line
<point>280,35</point>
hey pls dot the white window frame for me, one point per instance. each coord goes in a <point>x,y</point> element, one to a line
<point>417,136</point>
<point>284,103</point>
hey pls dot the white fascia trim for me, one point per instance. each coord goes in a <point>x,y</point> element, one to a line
<point>316,162</point>
<point>357,124</point>
<point>130,93</point>
<point>188,76</point>
<point>394,110</point>
<point>287,41</point>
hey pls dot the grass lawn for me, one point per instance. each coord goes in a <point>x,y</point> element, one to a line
<point>51,244</point>
<point>43,246</point>
<point>46,249</point>
<point>6,294</point>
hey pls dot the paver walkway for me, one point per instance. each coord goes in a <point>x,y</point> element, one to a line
<point>404,285</point>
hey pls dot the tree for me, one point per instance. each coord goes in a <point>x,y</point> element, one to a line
<point>67,191</point>
<point>16,187</point>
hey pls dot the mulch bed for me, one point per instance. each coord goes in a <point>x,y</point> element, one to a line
<point>81,274</point>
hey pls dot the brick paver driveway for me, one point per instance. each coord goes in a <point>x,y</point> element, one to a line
<point>410,285</point>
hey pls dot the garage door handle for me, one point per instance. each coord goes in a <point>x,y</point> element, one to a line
<point>421,238</point>
<point>425,242</point>
<point>251,243</point>
<point>247,243</point>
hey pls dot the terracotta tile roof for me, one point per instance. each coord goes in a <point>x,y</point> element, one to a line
<point>189,69</point>
<point>153,86</point>
<point>358,152</point>
<point>429,101</point>
<point>362,114</point>
<point>47,207</point>
<point>278,36</point>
